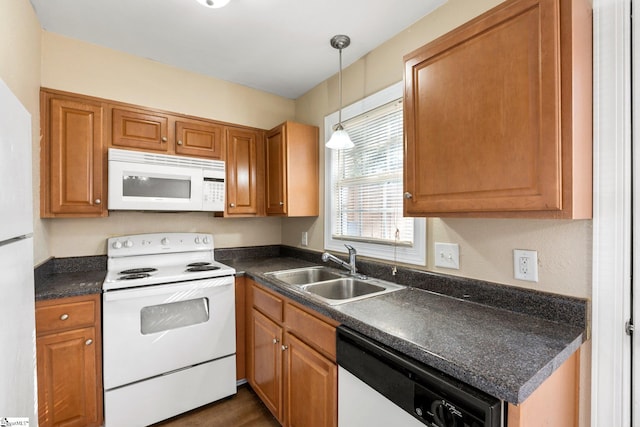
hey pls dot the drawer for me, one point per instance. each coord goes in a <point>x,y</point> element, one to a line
<point>313,331</point>
<point>63,314</point>
<point>268,303</point>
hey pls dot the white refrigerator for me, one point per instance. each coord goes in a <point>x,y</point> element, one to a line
<point>17,304</point>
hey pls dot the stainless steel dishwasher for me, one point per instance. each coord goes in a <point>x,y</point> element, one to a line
<point>380,387</point>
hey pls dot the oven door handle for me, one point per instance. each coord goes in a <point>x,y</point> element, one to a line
<point>157,290</point>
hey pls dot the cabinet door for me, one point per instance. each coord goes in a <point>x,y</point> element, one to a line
<point>310,386</point>
<point>67,379</point>
<point>143,130</point>
<point>73,159</point>
<point>483,115</point>
<point>201,139</point>
<point>244,172</point>
<point>276,174</point>
<point>266,371</point>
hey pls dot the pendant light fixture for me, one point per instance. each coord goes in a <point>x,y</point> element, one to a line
<point>340,138</point>
<point>214,4</point>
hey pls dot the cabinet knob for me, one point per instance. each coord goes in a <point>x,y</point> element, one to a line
<point>281,203</point>
<point>179,142</point>
<point>408,195</point>
<point>233,205</point>
<point>97,201</point>
<point>284,347</point>
<point>88,342</point>
<point>164,139</point>
<point>64,316</point>
<point>276,340</point>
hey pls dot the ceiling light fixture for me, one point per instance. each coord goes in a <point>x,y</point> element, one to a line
<point>214,4</point>
<point>340,138</point>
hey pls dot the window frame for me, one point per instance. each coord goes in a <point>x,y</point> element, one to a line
<point>415,254</point>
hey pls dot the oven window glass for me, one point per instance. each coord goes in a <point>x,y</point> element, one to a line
<point>173,315</point>
<point>149,186</point>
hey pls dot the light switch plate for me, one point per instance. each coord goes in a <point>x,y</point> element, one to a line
<point>447,255</point>
<point>304,239</point>
<point>525,265</point>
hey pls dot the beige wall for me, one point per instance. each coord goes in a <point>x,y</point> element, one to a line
<point>564,247</point>
<point>20,70</point>
<point>79,67</point>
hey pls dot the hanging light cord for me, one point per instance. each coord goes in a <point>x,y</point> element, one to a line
<point>340,91</point>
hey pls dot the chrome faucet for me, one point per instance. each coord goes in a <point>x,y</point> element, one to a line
<point>351,265</point>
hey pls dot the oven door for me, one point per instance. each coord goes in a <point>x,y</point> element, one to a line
<point>153,330</point>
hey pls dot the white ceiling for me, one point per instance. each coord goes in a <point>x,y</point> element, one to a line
<point>277,46</point>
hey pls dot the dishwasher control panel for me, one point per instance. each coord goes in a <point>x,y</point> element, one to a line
<point>431,397</point>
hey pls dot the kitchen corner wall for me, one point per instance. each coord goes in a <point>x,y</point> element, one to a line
<point>20,48</point>
<point>486,245</point>
<point>564,247</point>
<point>79,67</point>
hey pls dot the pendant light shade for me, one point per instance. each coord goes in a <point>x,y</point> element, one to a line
<point>340,138</point>
<point>214,4</point>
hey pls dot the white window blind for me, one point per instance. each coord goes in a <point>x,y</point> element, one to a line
<point>367,181</point>
<point>364,185</point>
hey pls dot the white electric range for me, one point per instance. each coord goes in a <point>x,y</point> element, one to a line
<point>168,327</point>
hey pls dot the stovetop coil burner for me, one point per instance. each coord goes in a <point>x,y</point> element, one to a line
<point>198,264</point>
<point>139,270</point>
<point>134,276</point>
<point>203,268</point>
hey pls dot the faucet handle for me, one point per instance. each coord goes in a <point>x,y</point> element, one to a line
<point>351,249</point>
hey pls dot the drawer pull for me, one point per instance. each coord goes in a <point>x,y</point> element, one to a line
<point>64,316</point>
<point>88,342</point>
<point>276,340</point>
<point>164,139</point>
<point>284,347</point>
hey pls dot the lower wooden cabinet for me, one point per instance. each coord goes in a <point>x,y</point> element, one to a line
<point>310,385</point>
<point>69,362</point>
<point>291,359</point>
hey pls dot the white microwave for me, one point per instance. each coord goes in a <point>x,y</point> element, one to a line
<point>157,182</point>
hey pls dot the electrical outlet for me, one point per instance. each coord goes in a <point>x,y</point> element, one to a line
<point>447,255</point>
<point>304,240</point>
<point>525,265</point>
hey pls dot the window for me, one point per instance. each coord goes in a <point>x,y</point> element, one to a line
<point>364,185</point>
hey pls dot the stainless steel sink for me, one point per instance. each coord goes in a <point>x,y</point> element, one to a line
<point>347,289</point>
<point>333,287</point>
<point>305,276</point>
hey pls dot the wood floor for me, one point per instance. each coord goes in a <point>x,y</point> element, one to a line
<point>242,410</point>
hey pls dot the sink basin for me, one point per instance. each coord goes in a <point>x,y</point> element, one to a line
<point>332,287</point>
<point>348,289</point>
<point>305,276</point>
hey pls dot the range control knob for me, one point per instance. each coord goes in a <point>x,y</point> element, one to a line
<point>116,245</point>
<point>205,240</point>
<point>128,244</point>
<point>165,241</point>
<point>197,240</point>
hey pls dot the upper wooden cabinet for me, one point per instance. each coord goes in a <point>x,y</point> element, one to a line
<point>72,161</point>
<point>292,170</point>
<point>150,130</point>
<point>245,172</point>
<point>199,138</point>
<point>498,116</point>
<point>140,129</point>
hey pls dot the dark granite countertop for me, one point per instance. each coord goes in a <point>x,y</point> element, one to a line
<point>502,340</point>
<point>69,277</point>
<point>504,353</point>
